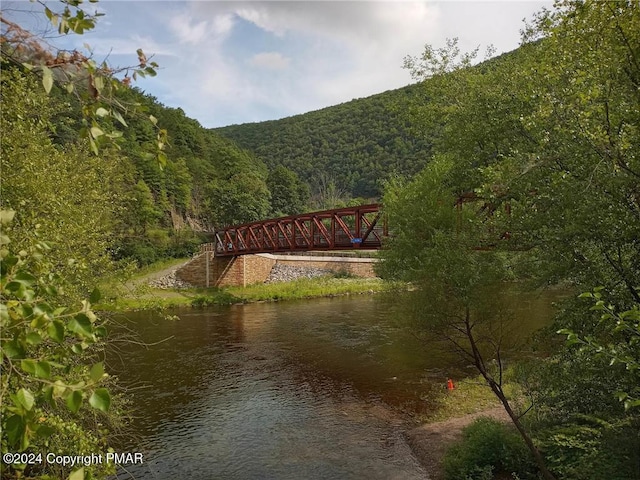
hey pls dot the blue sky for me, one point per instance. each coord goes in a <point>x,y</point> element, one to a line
<point>236,62</point>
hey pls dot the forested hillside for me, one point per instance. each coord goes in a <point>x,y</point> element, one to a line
<point>351,147</point>
<point>206,180</point>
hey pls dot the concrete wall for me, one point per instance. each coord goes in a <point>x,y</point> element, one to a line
<point>249,269</point>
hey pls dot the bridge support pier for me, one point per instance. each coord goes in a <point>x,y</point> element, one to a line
<point>207,270</point>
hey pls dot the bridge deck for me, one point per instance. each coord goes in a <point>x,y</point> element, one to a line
<point>350,228</point>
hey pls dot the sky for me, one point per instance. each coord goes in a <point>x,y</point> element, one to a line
<point>232,62</point>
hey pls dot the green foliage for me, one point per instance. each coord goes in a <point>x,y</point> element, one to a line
<point>488,448</point>
<point>557,147</point>
<point>242,198</point>
<point>358,144</point>
<point>289,195</point>
<point>64,194</point>
<point>92,86</point>
<point>433,245</point>
<point>589,448</point>
<point>616,339</point>
<point>52,388</point>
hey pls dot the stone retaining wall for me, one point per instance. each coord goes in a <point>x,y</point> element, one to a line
<point>249,269</point>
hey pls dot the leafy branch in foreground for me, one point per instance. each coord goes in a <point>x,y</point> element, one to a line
<point>618,341</point>
<point>94,85</point>
<point>50,358</point>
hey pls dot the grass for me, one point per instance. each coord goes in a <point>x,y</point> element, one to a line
<point>306,288</point>
<point>144,297</point>
<point>131,281</point>
<point>158,266</point>
<point>471,395</point>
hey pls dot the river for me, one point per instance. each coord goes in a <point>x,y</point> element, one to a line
<point>315,389</point>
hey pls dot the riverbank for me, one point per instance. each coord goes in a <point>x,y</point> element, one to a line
<point>157,288</point>
<point>430,441</point>
<point>458,408</point>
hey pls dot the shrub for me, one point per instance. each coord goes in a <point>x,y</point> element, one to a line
<point>589,448</point>
<point>488,448</point>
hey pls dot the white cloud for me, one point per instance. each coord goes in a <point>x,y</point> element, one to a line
<point>238,61</point>
<point>128,45</point>
<point>270,61</point>
<point>184,28</point>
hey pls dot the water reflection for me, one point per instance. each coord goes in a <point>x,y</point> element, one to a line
<point>312,389</point>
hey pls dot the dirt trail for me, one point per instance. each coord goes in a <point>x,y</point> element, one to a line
<point>430,442</point>
<point>157,274</point>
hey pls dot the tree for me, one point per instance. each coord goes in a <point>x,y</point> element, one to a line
<point>50,352</point>
<point>289,195</point>
<point>434,246</point>
<point>63,194</point>
<point>242,198</point>
<point>558,146</point>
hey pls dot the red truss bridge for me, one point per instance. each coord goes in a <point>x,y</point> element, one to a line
<point>350,228</point>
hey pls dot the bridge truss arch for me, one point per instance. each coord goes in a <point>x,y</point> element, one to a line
<point>351,228</point>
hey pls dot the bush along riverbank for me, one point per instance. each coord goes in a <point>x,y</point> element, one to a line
<point>469,435</point>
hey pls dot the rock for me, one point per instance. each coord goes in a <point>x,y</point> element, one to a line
<point>286,273</point>
<point>169,281</point>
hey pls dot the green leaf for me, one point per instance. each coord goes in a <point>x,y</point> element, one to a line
<point>74,401</point>
<point>162,159</point>
<point>43,370</point>
<point>34,338</point>
<point>25,398</point>
<point>14,429</point>
<point>96,132</point>
<point>56,331</point>
<point>47,395</point>
<point>118,117</point>
<point>153,119</point>
<point>13,349</point>
<point>98,82</point>
<point>97,372</point>
<point>47,79</point>
<point>100,399</point>
<point>29,366</point>
<point>631,404</point>
<point>100,331</point>
<point>59,388</point>
<point>81,325</point>
<point>77,474</point>
<point>102,112</point>
<point>24,278</point>
<point>95,295</point>
<point>93,145</point>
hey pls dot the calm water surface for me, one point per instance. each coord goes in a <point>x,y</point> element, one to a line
<point>315,389</point>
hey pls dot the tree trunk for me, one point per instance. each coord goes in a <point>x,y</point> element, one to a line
<point>497,390</point>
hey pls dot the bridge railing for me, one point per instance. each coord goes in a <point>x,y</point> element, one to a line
<point>350,228</point>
